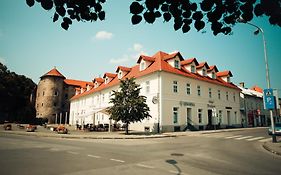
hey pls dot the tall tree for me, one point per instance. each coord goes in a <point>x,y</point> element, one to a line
<point>222,15</point>
<point>128,105</point>
<point>15,91</point>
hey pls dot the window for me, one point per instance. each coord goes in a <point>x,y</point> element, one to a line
<point>55,104</point>
<point>175,86</point>
<point>210,92</point>
<point>56,93</point>
<point>199,115</point>
<point>234,98</point>
<point>219,94</point>
<point>106,80</point>
<point>147,87</point>
<point>213,75</point>
<point>42,104</point>
<point>187,88</point>
<point>220,116</point>
<point>198,90</point>
<point>102,97</point>
<point>66,96</point>
<point>192,68</point>
<point>142,66</point>
<point>228,79</point>
<point>226,95</point>
<point>43,93</point>
<point>175,114</point>
<point>177,64</point>
<point>204,72</point>
<point>119,74</point>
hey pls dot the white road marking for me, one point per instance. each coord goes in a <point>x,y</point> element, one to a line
<point>255,138</point>
<point>176,172</point>
<point>116,160</point>
<point>145,166</point>
<point>89,155</point>
<point>245,137</point>
<point>265,140</point>
<point>232,137</point>
<point>71,152</point>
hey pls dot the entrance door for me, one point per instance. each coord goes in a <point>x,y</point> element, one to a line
<point>228,117</point>
<point>188,116</point>
<point>210,116</point>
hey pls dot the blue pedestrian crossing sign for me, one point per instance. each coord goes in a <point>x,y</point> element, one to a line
<point>268,99</point>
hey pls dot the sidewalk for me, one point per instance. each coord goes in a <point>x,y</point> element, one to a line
<point>79,134</point>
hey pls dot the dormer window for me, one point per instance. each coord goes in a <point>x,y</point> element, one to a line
<point>120,74</point>
<point>228,79</point>
<point>213,75</point>
<point>96,85</point>
<point>204,72</point>
<point>106,80</point>
<point>177,64</point>
<point>142,66</point>
<point>192,68</point>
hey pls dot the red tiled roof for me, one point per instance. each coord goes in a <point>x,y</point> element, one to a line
<point>173,55</point>
<point>111,75</point>
<point>158,65</point>
<point>82,84</point>
<point>54,72</point>
<point>145,58</point>
<point>126,69</point>
<point>213,68</point>
<point>224,73</point>
<point>189,61</point>
<point>256,88</point>
<point>201,65</point>
<point>100,80</point>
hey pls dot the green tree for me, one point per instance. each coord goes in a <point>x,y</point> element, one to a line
<point>128,105</point>
<point>15,91</point>
<point>221,15</point>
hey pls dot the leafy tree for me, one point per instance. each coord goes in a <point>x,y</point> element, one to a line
<point>128,105</point>
<point>15,91</point>
<point>222,15</point>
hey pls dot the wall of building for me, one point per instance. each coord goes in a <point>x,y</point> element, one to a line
<point>49,97</point>
<point>193,102</point>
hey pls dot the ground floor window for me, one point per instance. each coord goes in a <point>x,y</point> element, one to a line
<point>199,115</point>
<point>175,114</point>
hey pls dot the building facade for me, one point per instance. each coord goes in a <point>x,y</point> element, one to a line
<point>53,96</point>
<point>181,94</point>
<point>252,107</point>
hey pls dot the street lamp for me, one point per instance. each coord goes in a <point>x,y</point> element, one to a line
<point>259,30</point>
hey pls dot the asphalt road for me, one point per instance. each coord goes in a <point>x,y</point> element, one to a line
<point>228,153</point>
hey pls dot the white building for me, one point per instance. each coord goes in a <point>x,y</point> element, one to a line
<point>181,94</point>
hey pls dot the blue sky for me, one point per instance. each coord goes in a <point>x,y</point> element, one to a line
<point>31,44</point>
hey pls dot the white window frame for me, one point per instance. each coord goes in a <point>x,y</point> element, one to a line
<point>188,89</point>
<point>175,115</point>
<point>175,86</point>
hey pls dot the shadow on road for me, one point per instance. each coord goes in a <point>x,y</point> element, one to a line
<point>174,163</point>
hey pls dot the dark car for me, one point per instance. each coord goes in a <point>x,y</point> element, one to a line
<point>7,126</point>
<point>277,129</point>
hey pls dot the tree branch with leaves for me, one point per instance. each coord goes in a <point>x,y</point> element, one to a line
<point>128,105</point>
<point>221,15</point>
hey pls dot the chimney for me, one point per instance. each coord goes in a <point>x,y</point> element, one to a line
<point>242,84</point>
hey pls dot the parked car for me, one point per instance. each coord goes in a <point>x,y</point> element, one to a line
<point>7,126</point>
<point>277,129</point>
<point>30,128</point>
<point>62,129</point>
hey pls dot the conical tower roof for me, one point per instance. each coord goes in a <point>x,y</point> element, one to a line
<point>54,72</point>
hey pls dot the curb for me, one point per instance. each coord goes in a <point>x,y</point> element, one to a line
<point>270,150</point>
<point>65,136</point>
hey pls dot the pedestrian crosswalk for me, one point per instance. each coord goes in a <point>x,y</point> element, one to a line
<point>248,138</point>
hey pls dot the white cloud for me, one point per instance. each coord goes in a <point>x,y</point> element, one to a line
<point>133,54</point>
<point>103,35</point>
<point>137,47</point>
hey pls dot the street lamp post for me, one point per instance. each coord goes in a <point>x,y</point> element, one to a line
<point>267,71</point>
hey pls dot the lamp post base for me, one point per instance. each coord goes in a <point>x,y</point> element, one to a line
<point>274,140</point>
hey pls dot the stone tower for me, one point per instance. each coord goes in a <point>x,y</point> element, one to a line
<point>49,96</point>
